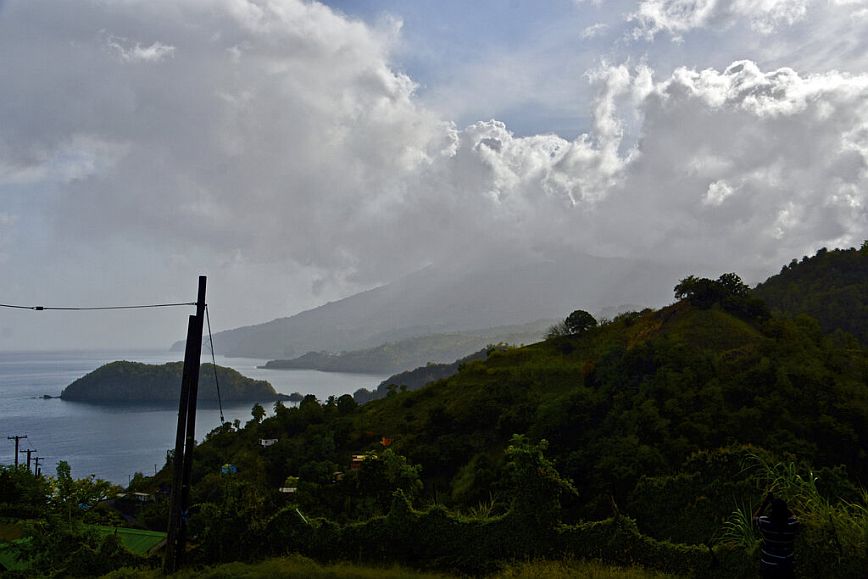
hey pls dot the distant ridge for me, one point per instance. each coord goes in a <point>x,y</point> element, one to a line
<point>414,352</point>
<point>494,292</point>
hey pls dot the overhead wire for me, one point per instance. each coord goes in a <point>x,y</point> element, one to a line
<point>137,307</point>
<point>93,308</point>
<point>214,365</point>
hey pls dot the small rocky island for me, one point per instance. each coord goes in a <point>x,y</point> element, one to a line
<point>136,383</point>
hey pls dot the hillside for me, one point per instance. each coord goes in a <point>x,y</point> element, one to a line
<point>135,383</point>
<point>629,400</point>
<point>630,441</point>
<point>636,398</point>
<point>415,352</point>
<point>831,286</point>
<point>455,298</point>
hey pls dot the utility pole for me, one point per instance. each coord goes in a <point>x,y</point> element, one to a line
<point>16,438</point>
<point>182,464</point>
<point>28,452</point>
<point>36,468</point>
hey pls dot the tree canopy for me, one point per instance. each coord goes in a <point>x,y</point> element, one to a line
<point>728,292</point>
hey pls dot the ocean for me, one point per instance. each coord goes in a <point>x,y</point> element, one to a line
<point>114,442</point>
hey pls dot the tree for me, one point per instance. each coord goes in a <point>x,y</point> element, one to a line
<point>576,323</point>
<point>557,331</point>
<point>536,485</point>
<point>379,476</point>
<point>733,285</point>
<point>727,292</point>
<point>346,404</point>
<point>22,493</point>
<point>579,322</point>
<point>77,496</point>
<point>258,412</point>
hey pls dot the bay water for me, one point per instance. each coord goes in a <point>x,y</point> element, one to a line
<point>114,442</point>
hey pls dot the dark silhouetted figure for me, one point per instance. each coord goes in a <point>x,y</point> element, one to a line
<point>778,530</point>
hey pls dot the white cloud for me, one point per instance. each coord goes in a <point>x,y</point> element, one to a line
<point>785,139</point>
<point>595,30</point>
<point>676,17</point>
<point>75,158</point>
<point>127,51</point>
<point>280,132</point>
<point>717,192</point>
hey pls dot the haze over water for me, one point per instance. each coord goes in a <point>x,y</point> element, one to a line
<point>113,442</point>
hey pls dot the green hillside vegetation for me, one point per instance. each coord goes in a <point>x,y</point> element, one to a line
<point>831,286</point>
<point>663,417</point>
<point>134,382</point>
<point>416,352</point>
<point>646,440</point>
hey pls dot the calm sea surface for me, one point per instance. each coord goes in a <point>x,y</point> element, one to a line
<point>113,442</point>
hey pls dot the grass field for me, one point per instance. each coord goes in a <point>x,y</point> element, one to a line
<point>136,540</point>
<point>297,567</point>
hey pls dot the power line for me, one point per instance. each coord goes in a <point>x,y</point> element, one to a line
<point>82,309</point>
<point>214,365</point>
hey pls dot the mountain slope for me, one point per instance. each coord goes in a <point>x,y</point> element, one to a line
<point>455,298</point>
<point>633,398</point>
<point>415,352</point>
<point>831,286</point>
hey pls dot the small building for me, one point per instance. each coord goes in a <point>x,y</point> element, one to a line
<point>266,442</point>
<point>136,497</point>
<point>358,459</point>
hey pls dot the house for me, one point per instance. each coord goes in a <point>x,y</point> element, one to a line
<point>358,459</point>
<point>266,442</point>
<point>137,497</point>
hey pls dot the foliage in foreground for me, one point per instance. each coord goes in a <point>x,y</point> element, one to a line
<point>833,534</point>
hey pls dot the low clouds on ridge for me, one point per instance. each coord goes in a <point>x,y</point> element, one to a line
<point>279,131</point>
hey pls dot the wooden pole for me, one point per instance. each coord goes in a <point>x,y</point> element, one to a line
<point>184,437</point>
<point>16,438</point>
<point>193,393</point>
<point>28,452</point>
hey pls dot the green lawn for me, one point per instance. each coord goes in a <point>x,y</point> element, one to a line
<point>136,540</point>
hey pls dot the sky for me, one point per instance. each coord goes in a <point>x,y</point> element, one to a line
<point>297,152</point>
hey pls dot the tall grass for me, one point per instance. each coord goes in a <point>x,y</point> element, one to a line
<point>485,509</point>
<point>739,530</point>
<point>834,533</point>
<point>847,521</point>
<point>568,569</point>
